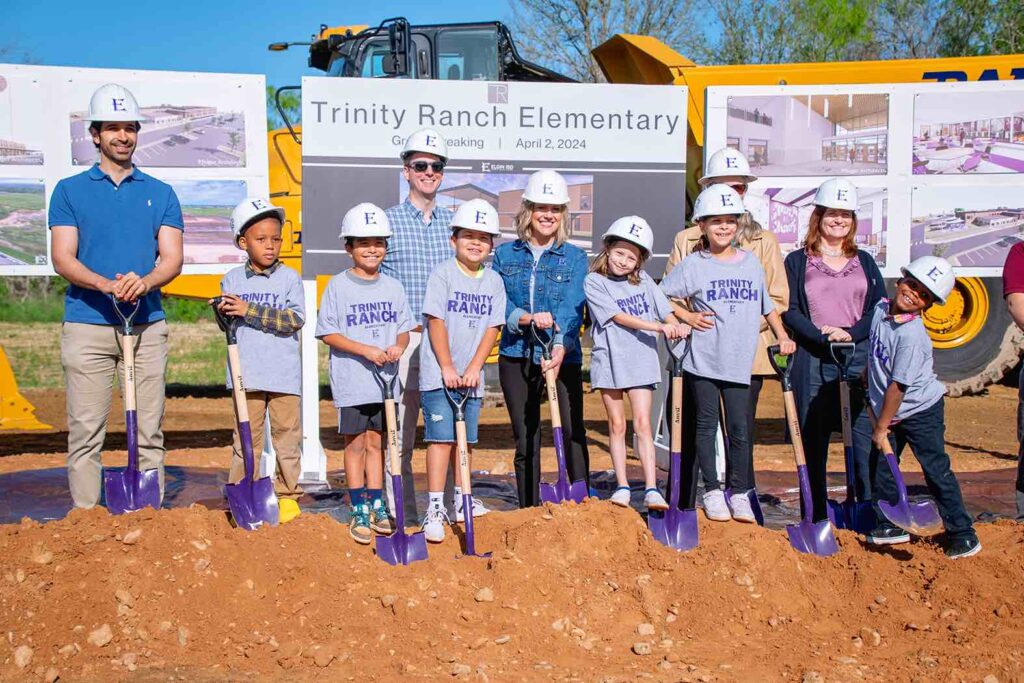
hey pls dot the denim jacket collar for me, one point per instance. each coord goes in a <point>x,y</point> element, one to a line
<point>556,248</point>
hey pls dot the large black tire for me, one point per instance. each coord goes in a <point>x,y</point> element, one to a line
<point>983,360</point>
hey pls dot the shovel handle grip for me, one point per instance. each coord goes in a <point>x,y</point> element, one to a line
<point>842,353</point>
<point>781,369</point>
<point>127,319</point>
<point>227,323</point>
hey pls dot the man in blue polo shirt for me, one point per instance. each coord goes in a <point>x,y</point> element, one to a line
<point>115,231</point>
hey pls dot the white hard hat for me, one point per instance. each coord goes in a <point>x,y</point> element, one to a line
<point>933,272</point>
<point>718,200</point>
<point>837,193</point>
<point>727,162</point>
<point>477,214</point>
<point>365,220</point>
<point>426,140</point>
<point>546,187</point>
<point>251,209</point>
<point>113,102</point>
<point>632,229</point>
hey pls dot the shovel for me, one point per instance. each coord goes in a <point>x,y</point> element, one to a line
<point>815,538</point>
<point>252,501</point>
<point>561,490</point>
<point>130,489</point>
<point>674,527</point>
<point>852,514</point>
<point>458,400</point>
<point>399,547</point>
<point>920,518</point>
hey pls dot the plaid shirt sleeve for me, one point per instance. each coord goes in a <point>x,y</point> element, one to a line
<point>270,319</point>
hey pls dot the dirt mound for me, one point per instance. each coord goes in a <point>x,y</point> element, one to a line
<point>571,593</point>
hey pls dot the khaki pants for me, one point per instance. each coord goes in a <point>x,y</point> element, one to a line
<point>286,428</point>
<point>91,354</point>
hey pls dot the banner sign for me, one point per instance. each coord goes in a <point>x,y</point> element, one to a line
<point>622,149</point>
<point>204,134</point>
<point>939,167</point>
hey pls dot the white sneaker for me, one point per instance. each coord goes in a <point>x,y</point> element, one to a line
<point>739,503</point>
<point>715,507</point>
<point>621,496</point>
<point>654,500</point>
<point>479,509</point>
<point>433,524</point>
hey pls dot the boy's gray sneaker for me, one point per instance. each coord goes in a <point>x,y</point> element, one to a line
<point>887,534</point>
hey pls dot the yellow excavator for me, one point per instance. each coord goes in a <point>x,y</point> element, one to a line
<point>974,338</point>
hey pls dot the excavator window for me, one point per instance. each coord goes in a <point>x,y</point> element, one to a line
<point>468,54</point>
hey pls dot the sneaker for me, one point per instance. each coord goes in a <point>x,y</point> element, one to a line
<point>654,500</point>
<point>379,519</point>
<point>959,548</point>
<point>621,496</point>
<point>433,524</point>
<point>887,534</point>
<point>479,509</point>
<point>715,507</point>
<point>739,504</point>
<point>359,525</point>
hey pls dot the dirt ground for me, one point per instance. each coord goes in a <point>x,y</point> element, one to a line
<point>571,593</point>
<point>980,434</point>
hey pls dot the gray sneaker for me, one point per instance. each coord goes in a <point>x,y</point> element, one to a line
<point>715,507</point>
<point>433,524</point>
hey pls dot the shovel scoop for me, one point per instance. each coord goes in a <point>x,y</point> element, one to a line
<point>130,489</point>
<point>920,518</point>
<point>399,547</point>
<point>673,527</point>
<point>808,536</point>
<point>562,490</point>
<point>252,501</point>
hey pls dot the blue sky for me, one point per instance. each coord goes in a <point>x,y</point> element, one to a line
<point>209,35</point>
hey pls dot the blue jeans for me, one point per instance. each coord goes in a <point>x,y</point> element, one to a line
<point>925,433</point>
<point>823,417</point>
<point>439,417</point>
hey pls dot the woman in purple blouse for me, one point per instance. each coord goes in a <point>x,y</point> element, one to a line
<point>833,290</point>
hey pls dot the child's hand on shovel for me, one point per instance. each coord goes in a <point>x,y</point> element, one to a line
<point>230,304</point>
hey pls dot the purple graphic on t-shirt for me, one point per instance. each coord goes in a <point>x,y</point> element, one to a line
<point>635,305</point>
<point>371,313</point>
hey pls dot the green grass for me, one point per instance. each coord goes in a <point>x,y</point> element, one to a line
<point>197,355</point>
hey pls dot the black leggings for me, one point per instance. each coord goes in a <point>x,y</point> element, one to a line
<point>522,384</point>
<point>707,393</point>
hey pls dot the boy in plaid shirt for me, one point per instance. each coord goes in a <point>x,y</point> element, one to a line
<point>268,297</point>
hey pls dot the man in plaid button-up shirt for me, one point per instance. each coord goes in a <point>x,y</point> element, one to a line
<point>420,240</point>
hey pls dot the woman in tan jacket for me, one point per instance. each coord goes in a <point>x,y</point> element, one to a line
<point>730,167</point>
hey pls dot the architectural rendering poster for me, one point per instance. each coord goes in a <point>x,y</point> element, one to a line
<point>621,148</point>
<point>939,167</point>
<point>202,133</point>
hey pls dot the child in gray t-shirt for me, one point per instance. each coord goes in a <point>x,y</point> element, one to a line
<point>629,311</point>
<point>365,320</point>
<point>907,398</point>
<point>730,282</point>
<point>463,311</point>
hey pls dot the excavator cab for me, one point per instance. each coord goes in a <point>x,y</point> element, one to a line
<point>452,52</point>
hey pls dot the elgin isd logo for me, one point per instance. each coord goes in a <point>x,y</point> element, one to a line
<point>497,93</point>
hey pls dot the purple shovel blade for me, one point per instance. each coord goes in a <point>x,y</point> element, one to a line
<point>252,501</point>
<point>130,489</point>
<point>400,547</point>
<point>467,504</point>
<point>673,527</point>
<point>562,490</point>
<point>814,538</point>
<point>920,518</point>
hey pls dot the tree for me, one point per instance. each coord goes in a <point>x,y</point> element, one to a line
<point>291,102</point>
<point>562,34</point>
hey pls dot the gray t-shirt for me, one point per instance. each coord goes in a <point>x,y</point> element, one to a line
<point>537,252</point>
<point>622,357</point>
<point>270,361</point>
<point>901,352</point>
<point>468,306</point>
<point>737,292</point>
<point>370,312</point>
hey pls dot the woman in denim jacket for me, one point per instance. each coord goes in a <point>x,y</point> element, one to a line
<point>543,277</point>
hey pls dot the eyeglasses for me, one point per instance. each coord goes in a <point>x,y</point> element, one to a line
<point>421,166</point>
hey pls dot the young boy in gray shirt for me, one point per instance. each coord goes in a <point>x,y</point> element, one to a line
<point>907,398</point>
<point>267,296</point>
<point>365,320</point>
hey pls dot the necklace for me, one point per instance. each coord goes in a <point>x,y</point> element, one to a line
<point>828,251</point>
